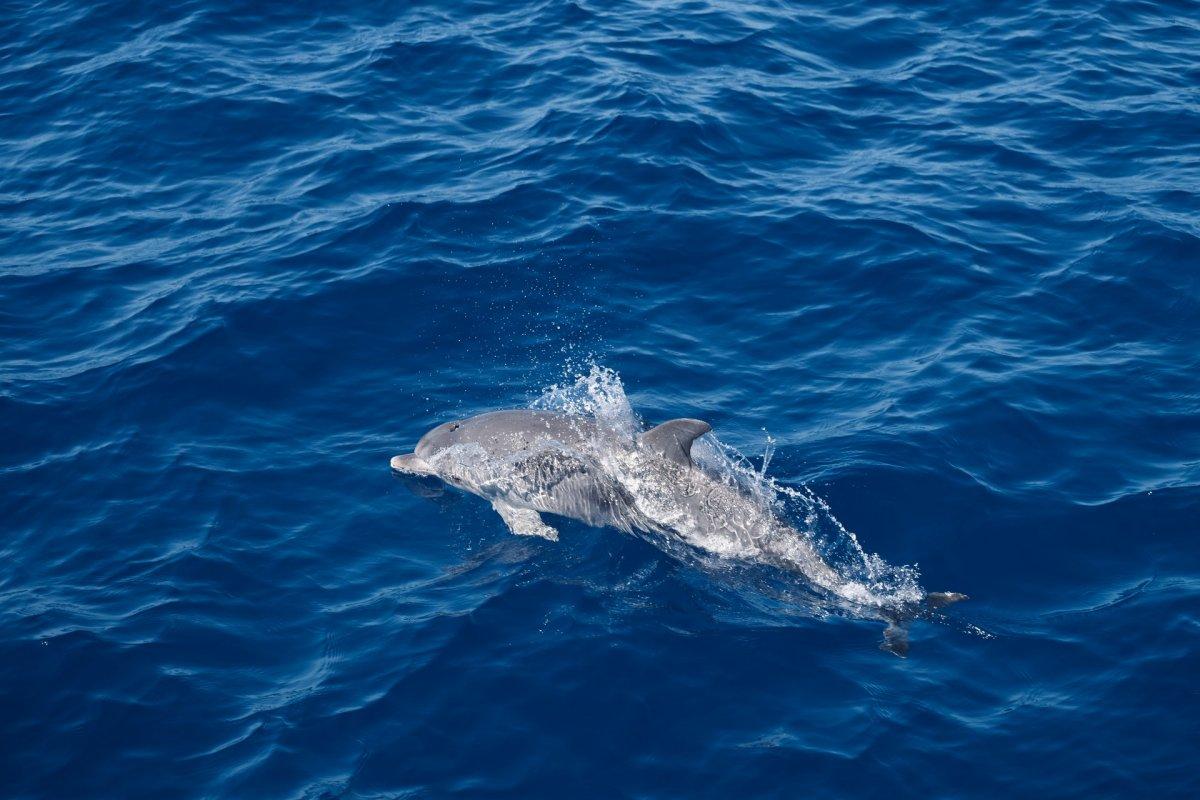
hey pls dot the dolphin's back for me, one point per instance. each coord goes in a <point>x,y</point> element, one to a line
<point>520,429</point>
<point>504,432</point>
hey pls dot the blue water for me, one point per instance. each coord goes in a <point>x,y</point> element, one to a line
<point>945,260</point>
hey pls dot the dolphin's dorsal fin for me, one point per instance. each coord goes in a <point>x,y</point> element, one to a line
<point>673,440</point>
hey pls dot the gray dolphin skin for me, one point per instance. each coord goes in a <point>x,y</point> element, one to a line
<point>529,462</point>
<point>524,462</point>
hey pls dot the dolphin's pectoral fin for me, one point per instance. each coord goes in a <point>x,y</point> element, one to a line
<point>524,521</point>
<point>673,440</point>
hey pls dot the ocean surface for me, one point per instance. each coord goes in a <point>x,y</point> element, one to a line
<point>932,273</point>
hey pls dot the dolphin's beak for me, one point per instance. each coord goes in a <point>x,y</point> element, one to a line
<point>411,464</point>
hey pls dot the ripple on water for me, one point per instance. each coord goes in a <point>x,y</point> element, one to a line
<point>938,259</point>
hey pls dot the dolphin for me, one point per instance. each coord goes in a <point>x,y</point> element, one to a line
<point>527,462</point>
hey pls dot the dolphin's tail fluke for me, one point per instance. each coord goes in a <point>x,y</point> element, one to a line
<point>895,639</point>
<point>943,599</point>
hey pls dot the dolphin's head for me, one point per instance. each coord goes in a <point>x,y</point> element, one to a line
<point>438,439</point>
<point>433,442</point>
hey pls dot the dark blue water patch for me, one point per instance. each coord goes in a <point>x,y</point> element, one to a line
<point>941,260</point>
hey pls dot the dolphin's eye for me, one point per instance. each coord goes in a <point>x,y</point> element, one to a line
<point>455,426</point>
